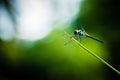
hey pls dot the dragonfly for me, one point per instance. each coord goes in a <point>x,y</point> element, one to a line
<point>81,32</point>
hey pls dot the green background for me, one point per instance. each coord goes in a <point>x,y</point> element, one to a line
<point>49,59</point>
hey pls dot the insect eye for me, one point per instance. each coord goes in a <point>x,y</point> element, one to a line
<point>75,32</point>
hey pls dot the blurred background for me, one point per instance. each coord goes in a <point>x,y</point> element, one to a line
<point>32,39</point>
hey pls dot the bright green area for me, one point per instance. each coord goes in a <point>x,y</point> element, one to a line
<point>64,62</point>
<point>49,57</point>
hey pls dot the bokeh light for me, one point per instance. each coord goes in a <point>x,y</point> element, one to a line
<point>36,18</point>
<point>32,39</point>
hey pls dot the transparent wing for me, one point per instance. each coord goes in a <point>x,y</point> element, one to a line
<point>83,29</point>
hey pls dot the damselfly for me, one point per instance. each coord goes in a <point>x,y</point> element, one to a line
<point>81,32</point>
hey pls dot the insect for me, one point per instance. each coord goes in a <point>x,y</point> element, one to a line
<point>81,32</point>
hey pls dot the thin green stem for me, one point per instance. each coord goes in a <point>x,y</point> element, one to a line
<point>89,51</point>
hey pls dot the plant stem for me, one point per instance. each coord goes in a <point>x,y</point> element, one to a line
<point>89,51</point>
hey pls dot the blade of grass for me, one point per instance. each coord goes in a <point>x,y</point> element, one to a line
<point>92,53</point>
